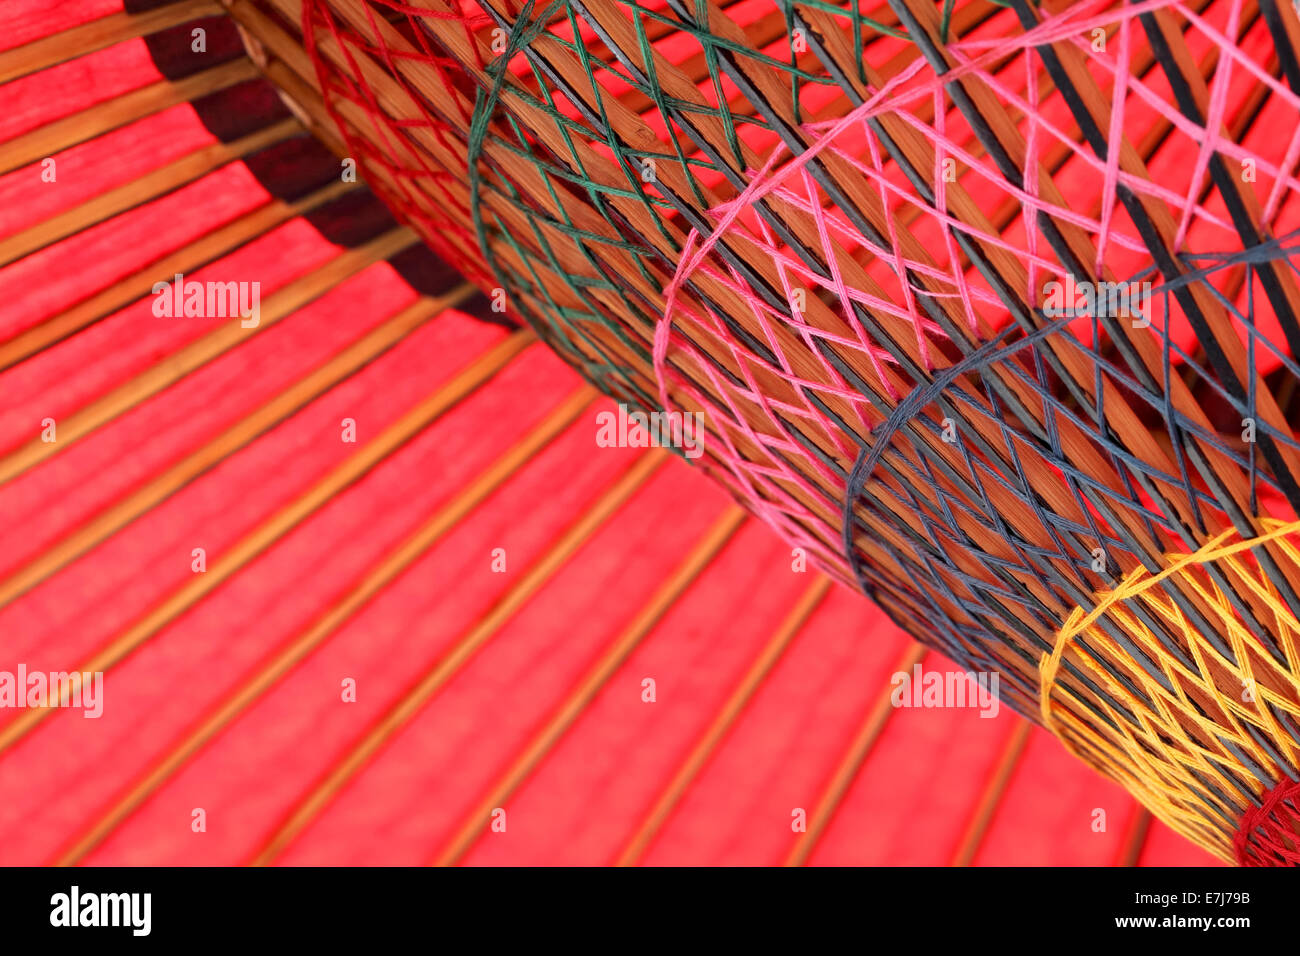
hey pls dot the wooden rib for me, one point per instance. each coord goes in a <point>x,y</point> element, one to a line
<point>690,768</point>
<point>122,512</point>
<point>589,686</point>
<point>311,108</point>
<point>96,35</point>
<point>761,33</point>
<point>450,663</point>
<point>978,824</point>
<point>52,138</point>
<point>284,62</point>
<point>397,561</point>
<point>285,520</point>
<point>271,50</point>
<point>139,191</point>
<point>205,249</point>
<point>1135,838</point>
<point>771,27</point>
<point>290,69</point>
<point>282,303</point>
<point>829,800</point>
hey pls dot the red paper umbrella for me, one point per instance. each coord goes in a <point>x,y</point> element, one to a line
<point>360,584</point>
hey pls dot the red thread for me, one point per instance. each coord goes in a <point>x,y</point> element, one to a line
<point>395,154</point>
<point>1270,833</point>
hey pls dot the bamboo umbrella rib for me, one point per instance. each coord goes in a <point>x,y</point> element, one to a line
<point>282,303</point>
<point>52,138</point>
<point>451,663</point>
<point>571,708</point>
<point>375,580</point>
<point>994,789</point>
<point>1135,838</point>
<point>97,35</point>
<point>155,183</point>
<point>121,513</point>
<point>739,699</point>
<point>859,749</point>
<point>208,248</point>
<point>290,516</point>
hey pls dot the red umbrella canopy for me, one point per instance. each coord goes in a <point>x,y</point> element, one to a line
<point>348,575</point>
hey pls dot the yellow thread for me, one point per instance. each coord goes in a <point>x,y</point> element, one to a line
<point>1178,750</point>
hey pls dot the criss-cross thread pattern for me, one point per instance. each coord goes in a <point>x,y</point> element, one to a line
<point>990,307</point>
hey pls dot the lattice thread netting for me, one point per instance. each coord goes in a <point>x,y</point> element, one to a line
<point>991,307</point>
